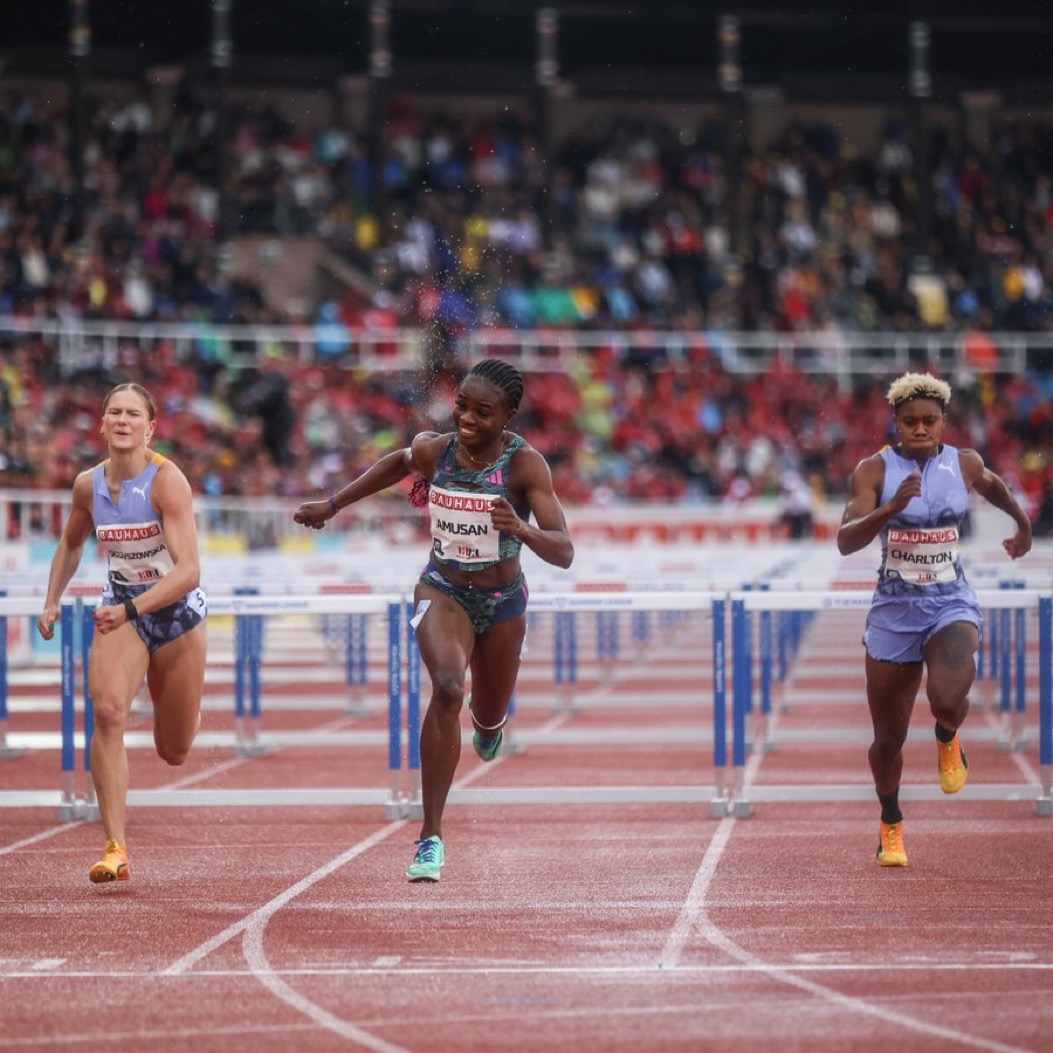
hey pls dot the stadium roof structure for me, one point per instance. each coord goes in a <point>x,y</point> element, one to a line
<point>804,50</point>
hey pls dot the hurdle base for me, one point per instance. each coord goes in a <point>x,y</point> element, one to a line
<point>1044,807</point>
<point>11,753</point>
<point>251,749</point>
<point>358,705</point>
<point>742,808</point>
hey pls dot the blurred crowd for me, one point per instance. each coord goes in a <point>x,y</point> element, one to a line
<point>626,227</point>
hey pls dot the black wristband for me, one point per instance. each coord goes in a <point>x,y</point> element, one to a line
<point>129,609</point>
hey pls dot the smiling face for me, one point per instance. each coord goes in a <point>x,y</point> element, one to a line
<point>480,413</point>
<point>919,427</point>
<point>127,421</point>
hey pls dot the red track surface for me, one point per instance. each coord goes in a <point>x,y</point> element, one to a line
<point>555,927</point>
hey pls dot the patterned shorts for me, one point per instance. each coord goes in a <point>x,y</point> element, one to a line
<point>167,624</point>
<point>485,607</point>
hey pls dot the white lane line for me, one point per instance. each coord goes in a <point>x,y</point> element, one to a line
<point>44,835</point>
<point>380,967</point>
<point>694,917</point>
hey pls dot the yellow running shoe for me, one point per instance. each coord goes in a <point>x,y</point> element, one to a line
<point>954,768</point>
<point>113,866</point>
<point>891,852</point>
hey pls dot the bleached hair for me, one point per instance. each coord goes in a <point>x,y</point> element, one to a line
<point>918,386</point>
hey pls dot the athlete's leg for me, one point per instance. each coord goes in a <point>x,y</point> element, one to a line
<point>891,691</point>
<point>495,668</point>
<point>176,678</point>
<point>950,660</point>
<point>117,667</point>
<point>446,639</point>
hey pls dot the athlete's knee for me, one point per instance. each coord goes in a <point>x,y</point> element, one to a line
<point>447,689</point>
<point>949,704</point>
<point>889,738</point>
<point>887,745</point>
<point>110,713</point>
<point>173,753</point>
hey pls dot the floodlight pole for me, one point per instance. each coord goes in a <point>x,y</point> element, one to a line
<point>79,49</point>
<point>379,71</point>
<point>729,79</point>
<point>222,53</point>
<point>920,90</point>
<point>547,31</point>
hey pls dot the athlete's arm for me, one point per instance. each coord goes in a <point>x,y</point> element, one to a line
<point>68,554</point>
<point>992,488</point>
<point>864,516</point>
<point>548,536</point>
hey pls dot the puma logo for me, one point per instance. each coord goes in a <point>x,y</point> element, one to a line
<point>140,491</point>
<point>945,468</point>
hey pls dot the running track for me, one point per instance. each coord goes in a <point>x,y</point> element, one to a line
<point>555,927</point>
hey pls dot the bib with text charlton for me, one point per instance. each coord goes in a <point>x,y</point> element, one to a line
<point>923,556</point>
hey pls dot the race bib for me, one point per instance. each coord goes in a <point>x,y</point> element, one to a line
<point>461,529</point>
<point>136,552</point>
<point>923,557</point>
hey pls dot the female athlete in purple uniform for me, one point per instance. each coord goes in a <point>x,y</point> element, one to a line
<point>150,621</point>
<point>924,615</point>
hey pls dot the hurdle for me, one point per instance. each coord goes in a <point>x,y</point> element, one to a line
<point>1003,601</point>
<point>76,624</point>
<point>7,752</point>
<point>402,796</point>
<point>565,608</point>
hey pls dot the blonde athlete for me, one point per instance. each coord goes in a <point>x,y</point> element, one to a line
<point>924,615</point>
<point>150,620</point>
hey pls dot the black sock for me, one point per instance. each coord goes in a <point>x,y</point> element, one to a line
<point>890,812</point>
<point>943,735</point>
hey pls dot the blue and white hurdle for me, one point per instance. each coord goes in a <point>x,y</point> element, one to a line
<point>1002,602</point>
<point>402,796</point>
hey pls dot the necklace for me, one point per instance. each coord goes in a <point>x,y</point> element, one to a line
<point>483,462</point>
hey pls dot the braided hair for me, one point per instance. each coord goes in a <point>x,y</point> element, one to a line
<point>504,376</point>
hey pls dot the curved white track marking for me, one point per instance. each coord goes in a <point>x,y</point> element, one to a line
<point>693,917</point>
<point>255,926</point>
<point>252,945</point>
<point>188,961</point>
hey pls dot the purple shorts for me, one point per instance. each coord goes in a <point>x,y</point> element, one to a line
<point>900,625</point>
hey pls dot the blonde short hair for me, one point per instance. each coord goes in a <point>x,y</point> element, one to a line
<point>918,386</point>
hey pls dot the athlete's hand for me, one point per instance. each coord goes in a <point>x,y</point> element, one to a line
<point>1019,544</point>
<point>109,617</point>
<point>314,514</point>
<point>505,518</point>
<point>906,491</point>
<point>46,623</point>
